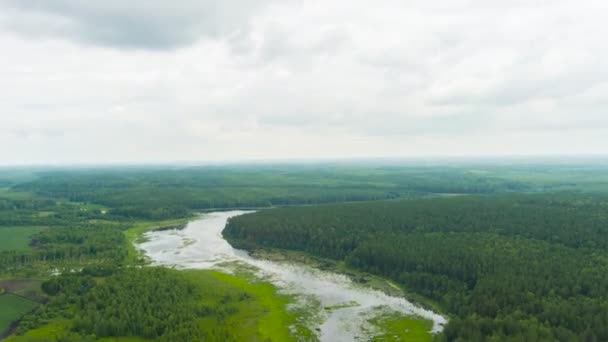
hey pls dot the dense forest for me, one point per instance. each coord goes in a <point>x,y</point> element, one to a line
<point>163,192</point>
<point>154,303</point>
<point>502,263</point>
<point>520,267</point>
<point>167,193</point>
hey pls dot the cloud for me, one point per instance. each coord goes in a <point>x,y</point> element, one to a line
<point>138,24</point>
<point>120,81</point>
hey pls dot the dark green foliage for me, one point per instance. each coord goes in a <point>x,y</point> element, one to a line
<point>517,266</point>
<point>80,244</point>
<point>154,303</point>
<point>26,212</point>
<point>167,193</point>
<point>151,303</point>
<point>525,267</point>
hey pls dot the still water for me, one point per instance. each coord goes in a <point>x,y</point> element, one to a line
<point>201,246</point>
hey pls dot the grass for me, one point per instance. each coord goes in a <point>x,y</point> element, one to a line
<point>17,238</point>
<point>261,313</point>
<point>395,327</point>
<point>392,326</point>
<point>12,308</point>
<point>49,332</point>
<point>262,317</point>
<point>28,288</point>
<point>15,195</point>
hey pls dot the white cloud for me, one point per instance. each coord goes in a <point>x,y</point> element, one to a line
<point>230,80</point>
<point>147,24</point>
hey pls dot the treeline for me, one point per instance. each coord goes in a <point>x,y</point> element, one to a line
<point>519,267</point>
<point>77,244</point>
<point>167,193</point>
<point>76,234</point>
<point>153,303</point>
<point>33,210</point>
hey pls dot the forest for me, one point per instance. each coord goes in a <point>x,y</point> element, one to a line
<point>154,303</point>
<point>159,193</point>
<point>514,266</point>
<point>507,251</point>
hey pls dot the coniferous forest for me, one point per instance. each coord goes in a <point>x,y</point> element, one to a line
<point>519,267</point>
<point>514,252</point>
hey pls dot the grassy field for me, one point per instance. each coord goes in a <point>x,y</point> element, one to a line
<point>395,327</point>
<point>6,193</point>
<point>16,238</point>
<point>263,317</point>
<point>46,333</point>
<point>12,308</point>
<point>29,288</point>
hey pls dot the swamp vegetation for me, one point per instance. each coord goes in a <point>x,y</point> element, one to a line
<point>509,252</point>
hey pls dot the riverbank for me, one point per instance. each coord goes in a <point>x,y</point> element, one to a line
<point>135,234</point>
<point>363,278</point>
<point>334,306</point>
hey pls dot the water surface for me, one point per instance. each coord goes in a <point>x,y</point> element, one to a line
<point>201,246</point>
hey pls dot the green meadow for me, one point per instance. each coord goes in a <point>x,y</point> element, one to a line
<point>396,327</point>
<point>12,308</point>
<point>17,238</point>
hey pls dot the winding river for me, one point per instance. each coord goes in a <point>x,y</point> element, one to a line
<point>200,246</point>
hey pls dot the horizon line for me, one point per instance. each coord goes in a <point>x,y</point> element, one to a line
<point>562,158</point>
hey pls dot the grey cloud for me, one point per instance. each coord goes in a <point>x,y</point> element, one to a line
<point>243,79</point>
<point>140,24</point>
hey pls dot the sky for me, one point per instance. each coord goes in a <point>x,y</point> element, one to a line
<point>142,81</point>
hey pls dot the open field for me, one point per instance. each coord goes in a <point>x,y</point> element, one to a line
<point>261,317</point>
<point>12,308</point>
<point>17,238</point>
<point>395,328</point>
<point>29,288</point>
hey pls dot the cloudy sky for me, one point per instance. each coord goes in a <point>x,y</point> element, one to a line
<point>197,80</point>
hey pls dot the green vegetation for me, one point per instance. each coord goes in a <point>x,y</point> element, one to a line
<point>395,327</point>
<point>162,193</point>
<point>267,318</point>
<point>357,275</point>
<point>168,193</point>
<point>17,238</point>
<point>503,265</point>
<point>69,247</point>
<point>12,308</point>
<point>159,303</point>
<point>511,266</point>
<point>110,299</point>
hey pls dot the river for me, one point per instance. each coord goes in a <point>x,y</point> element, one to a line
<point>200,245</point>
